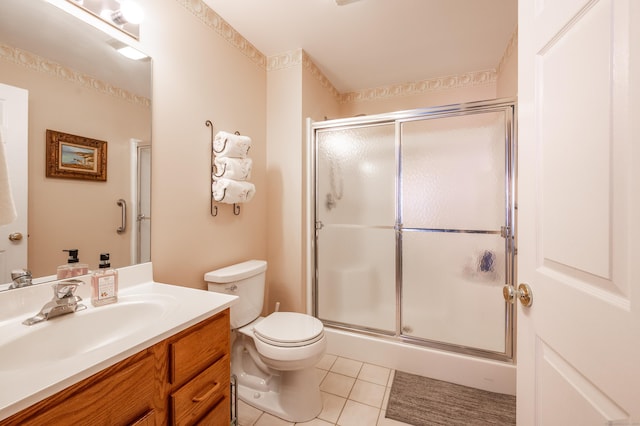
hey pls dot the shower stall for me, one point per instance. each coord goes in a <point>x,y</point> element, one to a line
<point>412,226</point>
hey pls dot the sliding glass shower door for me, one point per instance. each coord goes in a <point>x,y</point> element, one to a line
<point>454,195</point>
<point>356,180</point>
<point>414,226</point>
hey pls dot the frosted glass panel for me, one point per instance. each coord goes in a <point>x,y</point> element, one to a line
<point>356,277</point>
<point>408,241</point>
<point>356,175</point>
<point>452,288</point>
<point>453,172</point>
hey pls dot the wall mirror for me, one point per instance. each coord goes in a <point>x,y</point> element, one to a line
<point>77,84</point>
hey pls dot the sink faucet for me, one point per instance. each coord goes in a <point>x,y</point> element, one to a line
<point>64,302</point>
<point>21,278</point>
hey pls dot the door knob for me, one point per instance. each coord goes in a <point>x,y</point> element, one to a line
<point>523,292</point>
<point>15,236</point>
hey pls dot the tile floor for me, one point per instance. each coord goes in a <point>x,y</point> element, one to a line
<point>354,393</point>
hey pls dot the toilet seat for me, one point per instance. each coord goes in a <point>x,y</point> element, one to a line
<point>289,329</point>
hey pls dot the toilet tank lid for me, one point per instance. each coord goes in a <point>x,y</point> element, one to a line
<point>236,272</point>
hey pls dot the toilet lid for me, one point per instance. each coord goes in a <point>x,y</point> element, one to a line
<point>289,329</point>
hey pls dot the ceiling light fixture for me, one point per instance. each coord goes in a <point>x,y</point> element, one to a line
<point>345,2</point>
<point>130,12</point>
<point>126,50</point>
<point>131,53</point>
<point>125,15</point>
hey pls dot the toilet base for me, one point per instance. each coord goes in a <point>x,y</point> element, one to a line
<point>290,395</point>
<point>292,402</point>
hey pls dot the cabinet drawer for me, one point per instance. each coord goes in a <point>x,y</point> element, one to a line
<point>219,415</point>
<point>201,347</point>
<point>196,398</point>
<point>149,419</point>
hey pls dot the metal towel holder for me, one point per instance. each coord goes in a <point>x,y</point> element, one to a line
<point>214,173</point>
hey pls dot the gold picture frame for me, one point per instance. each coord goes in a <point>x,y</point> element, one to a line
<point>75,157</point>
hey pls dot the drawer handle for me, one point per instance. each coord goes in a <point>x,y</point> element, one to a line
<point>210,392</point>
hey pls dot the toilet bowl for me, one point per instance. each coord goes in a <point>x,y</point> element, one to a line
<point>273,356</point>
<point>288,340</point>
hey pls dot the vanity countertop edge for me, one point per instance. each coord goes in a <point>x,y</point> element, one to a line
<point>23,387</point>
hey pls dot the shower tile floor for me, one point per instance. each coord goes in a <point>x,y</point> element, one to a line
<point>354,393</point>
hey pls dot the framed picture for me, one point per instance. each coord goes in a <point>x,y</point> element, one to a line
<point>75,157</point>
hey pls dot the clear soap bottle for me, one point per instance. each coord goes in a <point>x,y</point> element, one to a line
<point>104,283</point>
<point>73,267</point>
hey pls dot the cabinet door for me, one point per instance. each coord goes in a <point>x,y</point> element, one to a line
<point>118,395</point>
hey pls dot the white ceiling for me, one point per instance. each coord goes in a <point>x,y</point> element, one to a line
<point>44,29</point>
<point>372,43</point>
<point>363,44</point>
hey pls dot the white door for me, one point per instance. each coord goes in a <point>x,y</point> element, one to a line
<point>144,204</point>
<point>579,212</point>
<point>14,110</point>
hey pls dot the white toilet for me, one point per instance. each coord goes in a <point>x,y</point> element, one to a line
<point>274,356</point>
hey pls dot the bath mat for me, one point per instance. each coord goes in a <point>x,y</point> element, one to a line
<point>422,401</point>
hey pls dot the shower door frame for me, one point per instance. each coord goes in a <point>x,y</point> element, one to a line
<point>508,232</point>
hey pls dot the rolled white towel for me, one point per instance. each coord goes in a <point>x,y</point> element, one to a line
<point>232,191</point>
<point>229,145</point>
<point>233,168</point>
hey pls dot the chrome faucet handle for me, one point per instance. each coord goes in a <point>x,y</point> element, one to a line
<point>65,289</point>
<point>20,278</point>
<point>64,302</point>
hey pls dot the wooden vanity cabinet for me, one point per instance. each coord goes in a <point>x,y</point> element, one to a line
<point>183,380</point>
<point>199,373</point>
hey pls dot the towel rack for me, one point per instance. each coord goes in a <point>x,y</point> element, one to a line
<point>214,173</point>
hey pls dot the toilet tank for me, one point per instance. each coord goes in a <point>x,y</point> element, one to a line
<point>245,280</point>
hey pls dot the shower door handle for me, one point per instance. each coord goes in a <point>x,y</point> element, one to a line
<point>523,292</point>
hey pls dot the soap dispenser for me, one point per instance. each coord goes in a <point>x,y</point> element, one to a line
<point>104,283</point>
<point>73,267</point>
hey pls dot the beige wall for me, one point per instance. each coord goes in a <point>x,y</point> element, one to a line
<point>198,75</point>
<point>284,169</point>
<point>294,92</point>
<point>76,214</point>
<point>508,70</point>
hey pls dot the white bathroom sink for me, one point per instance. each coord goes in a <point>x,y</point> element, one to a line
<point>83,331</point>
<point>39,360</point>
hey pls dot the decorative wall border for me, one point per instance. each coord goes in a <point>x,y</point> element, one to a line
<point>470,79</point>
<point>210,18</point>
<point>300,57</point>
<point>285,60</point>
<point>37,63</point>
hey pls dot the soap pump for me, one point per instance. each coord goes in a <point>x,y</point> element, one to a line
<point>73,267</point>
<point>104,283</point>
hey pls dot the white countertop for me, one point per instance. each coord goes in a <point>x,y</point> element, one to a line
<point>35,377</point>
